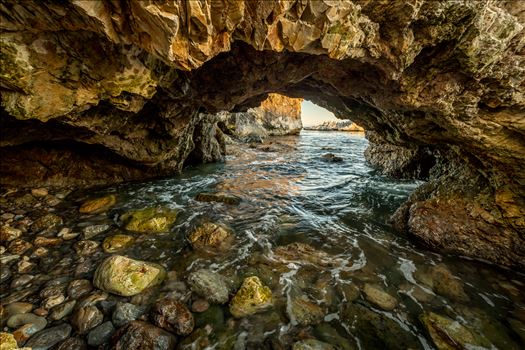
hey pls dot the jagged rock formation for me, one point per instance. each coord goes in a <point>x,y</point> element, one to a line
<point>278,115</point>
<point>109,91</point>
<point>343,125</point>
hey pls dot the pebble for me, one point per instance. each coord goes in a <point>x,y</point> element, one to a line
<point>7,216</point>
<point>40,312</point>
<point>18,320</point>
<point>93,230</point>
<point>2,249</point>
<point>5,273</point>
<point>19,246</point>
<point>49,337</point>
<point>126,312</point>
<point>173,316</point>
<point>86,318</point>
<point>86,248</point>
<point>200,305</point>
<point>45,222</point>
<point>53,301</point>
<point>141,335</point>
<point>39,192</point>
<point>40,252</point>
<point>101,334</point>
<point>79,288</point>
<point>93,298</point>
<point>8,233</point>
<point>18,307</point>
<point>66,234</point>
<point>25,332</point>
<point>72,344</point>
<point>63,310</point>
<point>47,242</point>
<point>378,297</point>
<point>25,266</point>
<point>20,281</point>
<point>8,258</point>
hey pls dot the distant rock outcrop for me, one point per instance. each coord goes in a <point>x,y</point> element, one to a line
<point>276,116</point>
<point>343,125</point>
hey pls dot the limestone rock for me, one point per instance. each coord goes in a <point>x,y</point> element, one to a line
<point>251,298</point>
<point>149,220</point>
<point>126,277</point>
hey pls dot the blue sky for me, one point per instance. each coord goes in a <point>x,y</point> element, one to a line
<point>312,114</point>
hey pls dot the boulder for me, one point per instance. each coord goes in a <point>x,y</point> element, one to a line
<point>149,220</point>
<point>251,298</point>
<point>126,277</point>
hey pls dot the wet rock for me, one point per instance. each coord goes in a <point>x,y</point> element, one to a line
<point>86,318</point>
<point>200,305</point>
<point>19,246</point>
<point>40,252</point>
<point>251,298</point>
<point>49,337</point>
<point>126,312</point>
<point>304,311</point>
<point>197,340</point>
<point>448,334</point>
<point>126,277</point>
<point>328,334</point>
<point>8,233</point>
<point>173,316</point>
<point>18,308</point>
<point>53,301</point>
<point>378,297</point>
<point>86,248</point>
<point>518,327</point>
<point>218,197</point>
<point>98,205</point>
<point>47,242</point>
<point>63,310</point>
<point>101,334</point>
<point>332,158</point>
<point>93,230</point>
<point>349,291</point>
<point>311,344</point>
<point>138,335</point>
<point>211,237</point>
<point>446,284</point>
<point>8,258</point>
<point>149,220</point>
<point>66,234</point>
<point>23,333</point>
<point>79,288</point>
<point>39,192</point>
<point>7,341</point>
<point>18,320</point>
<point>46,222</point>
<point>72,344</point>
<point>5,273</point>
<point>92,299</point>
<point>117,243</point>
<point>302,253</point>
<point>209,285</point>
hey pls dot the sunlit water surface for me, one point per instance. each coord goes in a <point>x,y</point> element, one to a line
<point>340,208</point>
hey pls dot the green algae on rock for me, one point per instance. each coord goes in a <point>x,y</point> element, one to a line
<point>251,298</point>
<point>126,277</point>
<point>149,220</point>
<point>113,244</point>
<point>98,205</point>
<point>218,197</point>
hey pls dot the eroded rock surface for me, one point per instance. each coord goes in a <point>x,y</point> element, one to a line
<point>100,92</point>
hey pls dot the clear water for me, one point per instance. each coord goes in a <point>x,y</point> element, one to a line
<point>342,209</point>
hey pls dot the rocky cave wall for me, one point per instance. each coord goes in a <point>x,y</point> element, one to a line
<point>96,92</point>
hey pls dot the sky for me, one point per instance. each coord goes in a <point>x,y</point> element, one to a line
<point>312,114</point>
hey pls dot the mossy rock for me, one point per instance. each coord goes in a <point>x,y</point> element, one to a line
<point>448,334</point>
<point>149,220</point>
<point>98,205</point>
<point>251,298</point>
<point>7,341</point>
<point>126,277</point>
<point>113,244</point>
<point>218,197</point>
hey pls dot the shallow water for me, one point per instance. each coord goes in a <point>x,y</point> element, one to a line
<point>342,209</point>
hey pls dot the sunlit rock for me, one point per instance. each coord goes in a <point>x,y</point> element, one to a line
<point>113,244</point>
<point>251,298</point>
<point>149,220</point>
<point>98,205</point>
<point>211,237</point>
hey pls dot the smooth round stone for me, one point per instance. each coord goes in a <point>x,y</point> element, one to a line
<point>72,344</point>
<point>21,281</point>
<point>98,205</point>
<point>79,288</point>
<point>86,318</point>
<point>18,307</point>
<point>126,312</point>
<point>49,337</point>
<point>116,243</point>
<point>63,310</point>
<point>378,297</point>
<point>40,312</point>
<point>18,320</point>
<point>39,192</point>
<point>94,230</point>
<point>200,305</point>
<point>101,334</point>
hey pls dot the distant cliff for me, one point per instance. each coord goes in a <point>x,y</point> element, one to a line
<point>343,125</point>
<point>277,115</point>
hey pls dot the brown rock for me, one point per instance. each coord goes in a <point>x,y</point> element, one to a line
<point>173,316</point>
<point>138,335</point>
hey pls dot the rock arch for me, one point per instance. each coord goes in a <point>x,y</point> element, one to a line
<point>118,90</point>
